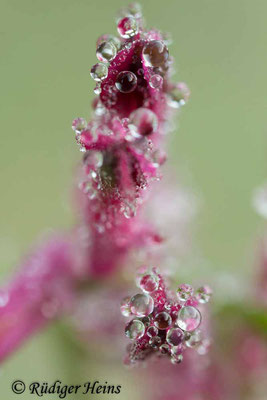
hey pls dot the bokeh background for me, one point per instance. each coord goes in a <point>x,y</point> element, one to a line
<point>219,150</point>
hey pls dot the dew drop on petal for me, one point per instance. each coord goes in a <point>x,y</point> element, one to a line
<point>156,81</point>
<point>126,82</point>
<point>135,329</point>
<point>155,342</point>
<point>143,121</point>
<point>163,320</point>
<point>175,336</point>
<point>149,283</point>
<point>142,305</point>
<point>189,318</point>
<point>184,292</point>
<point>106,51</point>
<point>177,359</point>
<point>179,96</point>
<point>78,125</point>
<point>203,294</point>
<point>194,339</point>
<point>99,72</point>
<point>152,331</point>
<point>164,349</point>
<point>97,89</point>
<point>127,27</point>
<point>109,38</point>
<point>155,53</point>
<point>93,160</point>
<point>125,307</point>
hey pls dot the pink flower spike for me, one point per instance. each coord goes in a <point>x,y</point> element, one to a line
<point>41,291</point>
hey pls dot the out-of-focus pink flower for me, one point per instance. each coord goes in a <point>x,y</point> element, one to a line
<point>42,290</point>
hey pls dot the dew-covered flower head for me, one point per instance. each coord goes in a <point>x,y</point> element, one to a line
<point>163,322</point>
<point>131,111</point>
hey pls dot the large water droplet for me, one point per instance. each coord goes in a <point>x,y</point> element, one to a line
<point>127,27</point>
<point>135,329</point>
<point>163,320</point>
<point>141,305</point>
<point>155,53</point>
<point>175,336</point>
<point>126,82</point>
<point>149,283</point>
<point>99,72</point>
<point>143,122</point>
<point>189,318</point>
<point>106,51</point>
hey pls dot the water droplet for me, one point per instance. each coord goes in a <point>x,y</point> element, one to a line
<point>129,210</point>
<point>177,359</point>
<point>99,72</point>
<point>97,89</point>
<point>78,125</point>
<point>152,331</point>
<point>203,294</point>
<point>176,350</point>
<point>141,305</point>
<point>149,283</point>
<point>179,96</point>
<point>106,51</point>
<point>155,342</point>
<point>184,292</point>
<point>189,318</point>
<point>126,82</point>
<point>109,38</point>
<point>174,336</point>
<point>135,329</point>
<point>127,27</point>
<point>156,81</point>
<point>125,307</point>
<point>164,349</point>
<point>93,160</point>
<point>163,320</point>
<point>155,54</point>
<point>194,339</point>
<point>143,122</point>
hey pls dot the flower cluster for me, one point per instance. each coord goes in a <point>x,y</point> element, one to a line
<point>163,322</point>
<point>123,141</point>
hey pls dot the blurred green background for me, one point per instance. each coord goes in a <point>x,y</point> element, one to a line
<point>47,49</point>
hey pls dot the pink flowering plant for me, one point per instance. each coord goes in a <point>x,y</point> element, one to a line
<point>115,241</point>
